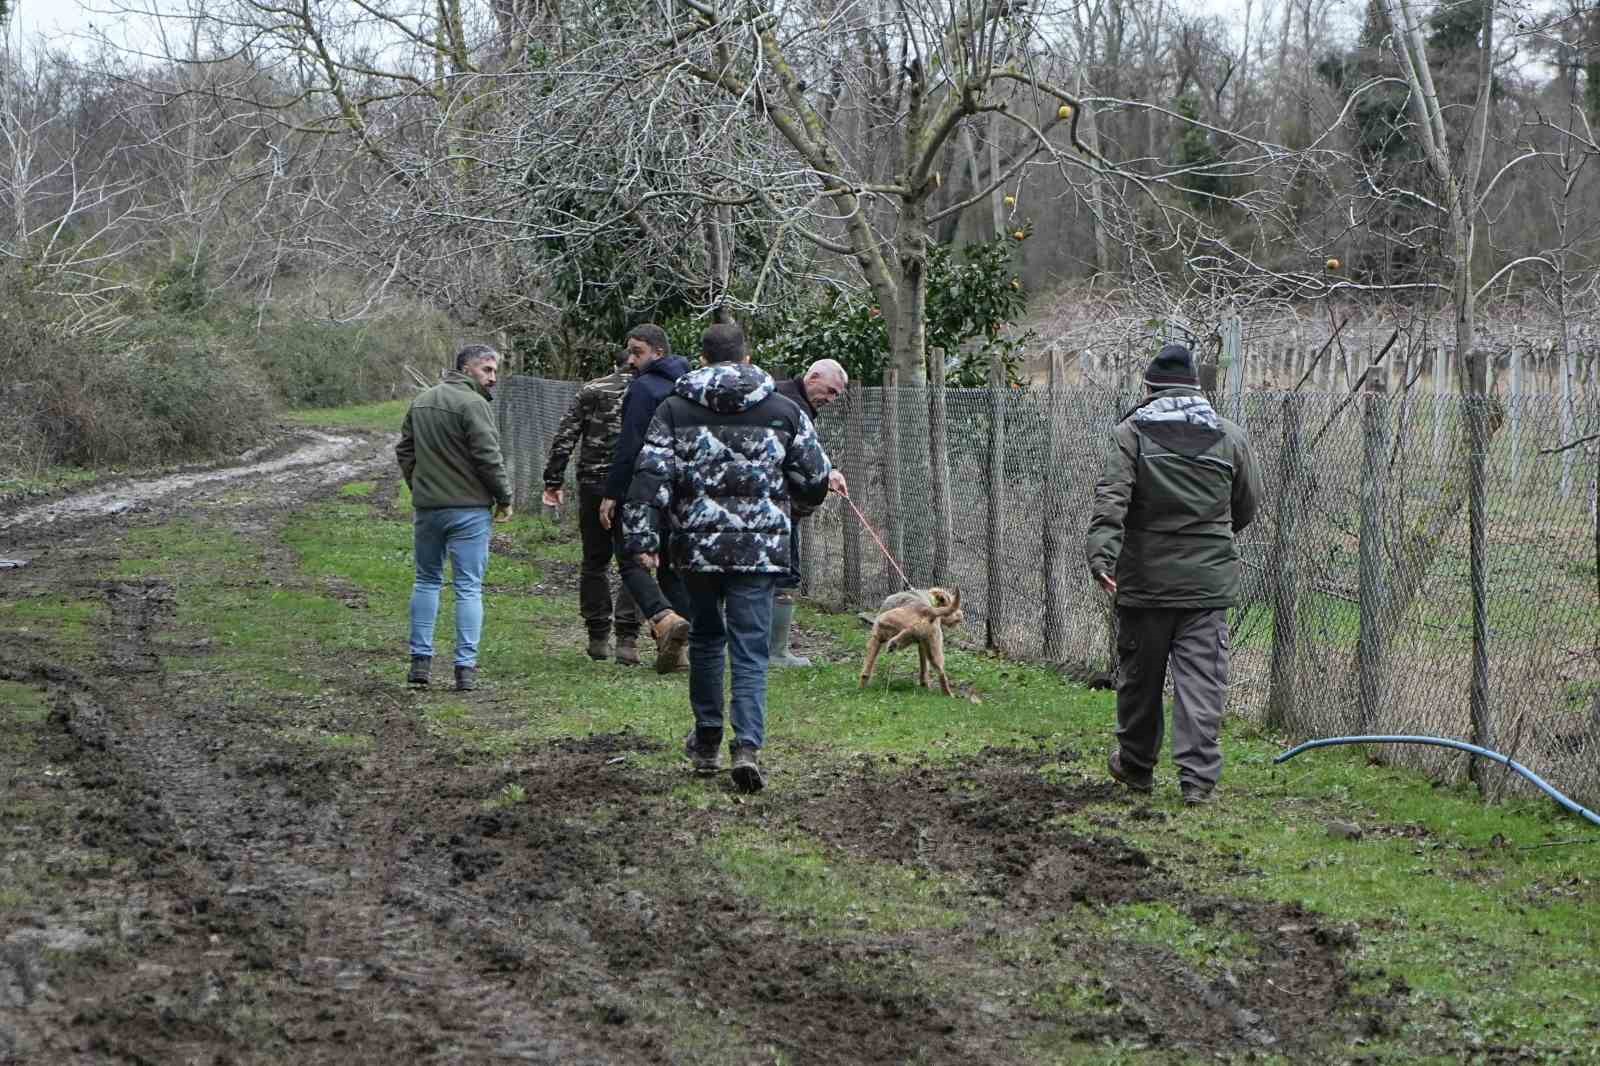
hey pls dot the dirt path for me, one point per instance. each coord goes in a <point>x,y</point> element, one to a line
<point>223,897</point>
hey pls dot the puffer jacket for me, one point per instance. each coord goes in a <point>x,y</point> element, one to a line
<point>725,460</point>
<point>591,426</point>
<point>1180,482</point>
<point>449,450</point>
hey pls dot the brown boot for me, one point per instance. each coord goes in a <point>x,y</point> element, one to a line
<point>671,631</point>
<point>627,651</point>
<point>600,647</point>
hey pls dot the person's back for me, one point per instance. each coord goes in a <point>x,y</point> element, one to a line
<point>1179,483</point>
<point>1192,488</point>
<point>449,455</point>
<point>727,458</point>
<point>454,447</point>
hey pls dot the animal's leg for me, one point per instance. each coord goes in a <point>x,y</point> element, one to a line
<point>922,664</point>
<point>936,652</point>
<point>874,643</point>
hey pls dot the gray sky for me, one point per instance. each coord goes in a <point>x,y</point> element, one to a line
<point>51,17</point>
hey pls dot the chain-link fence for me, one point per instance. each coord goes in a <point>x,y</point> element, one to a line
<point>1360,574</point>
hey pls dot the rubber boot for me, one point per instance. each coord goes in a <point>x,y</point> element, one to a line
<point>782,618</point>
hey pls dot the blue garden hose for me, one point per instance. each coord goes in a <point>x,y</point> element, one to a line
<point>1460,745</point>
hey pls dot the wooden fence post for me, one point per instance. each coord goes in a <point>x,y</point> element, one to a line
<point>994,609</point>
<point>1054,516</point>
<point>939,470</point>
<point>855,472</point>
<point>894,528</point>
<point>1285,579</point>
<point>1373,601</point>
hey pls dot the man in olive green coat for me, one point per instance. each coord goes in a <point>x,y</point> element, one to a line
<point>449,454</point>
<point>1180,482</point>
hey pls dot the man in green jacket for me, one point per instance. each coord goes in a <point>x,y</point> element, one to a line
<point>449,454</point>
<point>1180,482</point>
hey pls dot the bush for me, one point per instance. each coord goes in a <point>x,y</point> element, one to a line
<point>165,390</point>
<point>318,363</point>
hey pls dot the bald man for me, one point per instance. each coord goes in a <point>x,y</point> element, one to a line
<point>823,382</point>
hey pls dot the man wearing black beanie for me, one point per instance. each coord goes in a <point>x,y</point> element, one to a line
<point>1179,484</point>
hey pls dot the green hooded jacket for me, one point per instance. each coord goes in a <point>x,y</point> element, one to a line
<point>449,448</point>
<point>1180,482</point>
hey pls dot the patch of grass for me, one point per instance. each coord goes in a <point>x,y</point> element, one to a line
<point>509,796</point>
<point>50,479</point>
<point>380,417</point>
<point>358,489</point>
<point>63,620</point>
<point>793,876</point>
<point>22,708</point>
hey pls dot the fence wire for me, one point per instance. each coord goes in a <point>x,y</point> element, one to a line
<point>1357,607</point>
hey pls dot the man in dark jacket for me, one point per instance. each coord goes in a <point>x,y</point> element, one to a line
<point>449,454</point>
<point>661,598</point>
<point>725,458</point>
<point>592,425</point>
<point>1180,482</point>
<point>823,382</point>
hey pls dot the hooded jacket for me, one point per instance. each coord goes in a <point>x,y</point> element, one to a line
<point>648,388</point>
<point>725,459</point>
<point>449,450</point>
<point>1180,482</point>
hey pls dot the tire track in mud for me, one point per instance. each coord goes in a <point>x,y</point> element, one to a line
<point>293,881</point>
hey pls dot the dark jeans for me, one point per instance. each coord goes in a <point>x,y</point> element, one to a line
<point>731,623</point>
<point>594,578</point>
<point>1196,643</point>
<point>787,583</point>
<point>653,593</point>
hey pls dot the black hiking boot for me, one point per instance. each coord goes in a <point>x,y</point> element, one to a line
<point>704,755</point>
<point>747,768</point>
<point>421,670</point>
<point>466,678</point>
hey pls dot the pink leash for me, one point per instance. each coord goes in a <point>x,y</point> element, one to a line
<point>876,539</point>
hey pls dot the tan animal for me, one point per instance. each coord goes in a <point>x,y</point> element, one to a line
<point>929,597</point>
<point>922,623</point>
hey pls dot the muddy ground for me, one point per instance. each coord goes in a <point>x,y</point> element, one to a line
<point>228,900</point>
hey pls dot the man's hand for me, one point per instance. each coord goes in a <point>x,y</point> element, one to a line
<point>554,497</point>
<point>1107,582</point>
<point>608,512</point>
<point>503,512</point>
<point>648,560</point>
<point>836,483</point>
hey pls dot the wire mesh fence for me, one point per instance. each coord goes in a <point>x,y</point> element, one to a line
<point>1422,562</point>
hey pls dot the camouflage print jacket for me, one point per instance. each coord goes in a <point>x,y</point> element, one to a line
<point>725,458</point>
<point>592,425</point>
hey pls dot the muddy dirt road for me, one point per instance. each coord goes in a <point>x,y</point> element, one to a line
<point>191,884</point>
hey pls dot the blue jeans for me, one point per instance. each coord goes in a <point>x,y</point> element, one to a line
<point>732,614</point>
<point>463,534</point>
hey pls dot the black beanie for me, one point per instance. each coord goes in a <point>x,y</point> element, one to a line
<point>1173,367</point>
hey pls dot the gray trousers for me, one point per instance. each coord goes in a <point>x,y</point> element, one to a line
<point>1195,642</point>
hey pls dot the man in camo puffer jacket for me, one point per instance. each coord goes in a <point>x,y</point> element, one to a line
<point>727,458</point>
<point>591,426</point>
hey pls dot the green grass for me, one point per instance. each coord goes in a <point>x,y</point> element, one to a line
<point>1440,889</point>
<point>797,879</point>
<point>48,480</point>
<point>385,416</point>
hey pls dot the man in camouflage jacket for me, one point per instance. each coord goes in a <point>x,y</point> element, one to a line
<point>592,425</point>
<point>1179,483</point>
<point>727,459</point>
